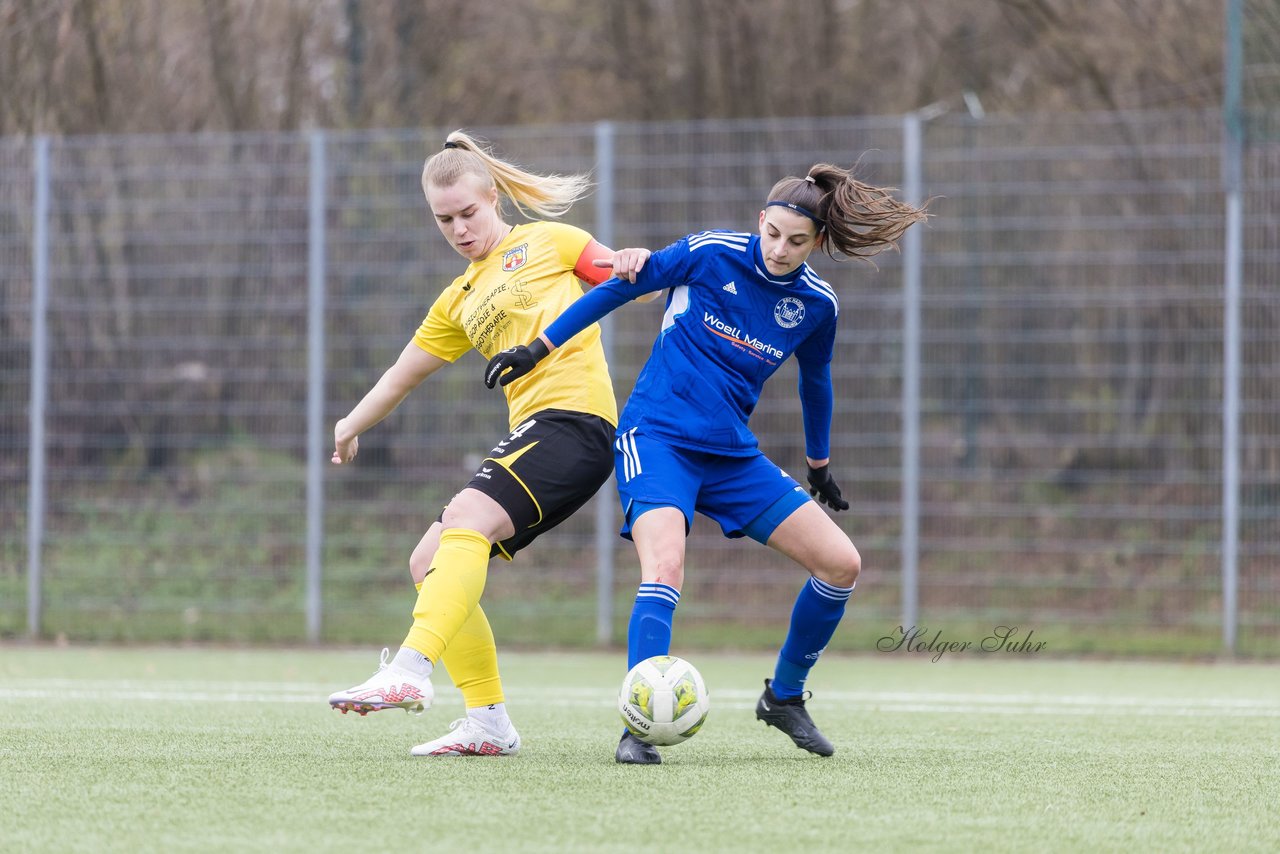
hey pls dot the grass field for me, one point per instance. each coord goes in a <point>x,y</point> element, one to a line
<point>105,749</point>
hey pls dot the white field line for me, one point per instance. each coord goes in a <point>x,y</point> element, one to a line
<point>892,702</point>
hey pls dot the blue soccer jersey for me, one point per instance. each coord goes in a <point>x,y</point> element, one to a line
<point>728,326</point>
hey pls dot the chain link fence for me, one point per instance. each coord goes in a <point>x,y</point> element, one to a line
<point>1045,450</point>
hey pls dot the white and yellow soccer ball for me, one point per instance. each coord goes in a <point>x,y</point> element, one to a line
<point>663,700</point>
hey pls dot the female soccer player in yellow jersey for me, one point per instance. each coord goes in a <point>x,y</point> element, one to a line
<point>559,450</point>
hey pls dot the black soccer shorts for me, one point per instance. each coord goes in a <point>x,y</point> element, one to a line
<point>544,471</point>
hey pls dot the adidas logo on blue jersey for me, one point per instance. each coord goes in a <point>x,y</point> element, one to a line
<point>731,288</point>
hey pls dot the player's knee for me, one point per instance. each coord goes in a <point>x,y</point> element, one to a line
<point>666,569</point>
<point>841,567</point>
<point>475,511</point>
<point>459,514</point>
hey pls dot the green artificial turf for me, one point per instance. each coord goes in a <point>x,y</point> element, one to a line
<point>154,749</point>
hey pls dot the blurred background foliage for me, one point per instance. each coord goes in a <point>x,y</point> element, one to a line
<point>150,66</point>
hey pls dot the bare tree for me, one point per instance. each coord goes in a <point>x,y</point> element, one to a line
<point>82,66</point>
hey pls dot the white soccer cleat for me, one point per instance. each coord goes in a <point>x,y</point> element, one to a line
<point>467,737</point>
<point>390,688</point>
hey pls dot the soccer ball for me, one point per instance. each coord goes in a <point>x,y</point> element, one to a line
<point>663,700</point>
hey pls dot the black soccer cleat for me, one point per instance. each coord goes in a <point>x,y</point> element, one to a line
<point>633,751</point>
<point>790,717</point>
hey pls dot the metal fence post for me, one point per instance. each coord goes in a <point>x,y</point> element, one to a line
<point>911,183</point>
<point>1231,425</point>
<point>1232,156</point>
<point>39,382</point>
<point>316,445</point>
<point>604,524</point>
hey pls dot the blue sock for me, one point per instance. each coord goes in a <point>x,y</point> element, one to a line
<point>814,618</point>
<point>649,632</point>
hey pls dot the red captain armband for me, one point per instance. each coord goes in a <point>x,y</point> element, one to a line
<point>589,273</point>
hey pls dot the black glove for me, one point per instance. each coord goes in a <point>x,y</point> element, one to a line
<point>521,360</point>
<point>824,488</point>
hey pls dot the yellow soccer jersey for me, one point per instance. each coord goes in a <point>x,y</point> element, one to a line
<point>506,299</point>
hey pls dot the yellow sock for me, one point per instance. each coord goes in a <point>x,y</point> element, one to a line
<point>472,661</point>
<point>450,592</point>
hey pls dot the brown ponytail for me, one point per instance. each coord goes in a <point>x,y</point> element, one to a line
<point>859,220</point>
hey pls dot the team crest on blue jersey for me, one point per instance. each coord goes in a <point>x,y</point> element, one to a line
<point>513,259</point>
<point>788,312</point>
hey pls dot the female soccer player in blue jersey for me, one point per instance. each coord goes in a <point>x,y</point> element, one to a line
<point>738,306</point>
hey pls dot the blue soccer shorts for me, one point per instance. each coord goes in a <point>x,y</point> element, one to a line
<point>747,496</point>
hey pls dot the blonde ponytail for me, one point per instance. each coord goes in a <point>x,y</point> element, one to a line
<point>543,195</point>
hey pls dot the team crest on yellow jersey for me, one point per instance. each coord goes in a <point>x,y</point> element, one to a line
<point>513,259</point>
